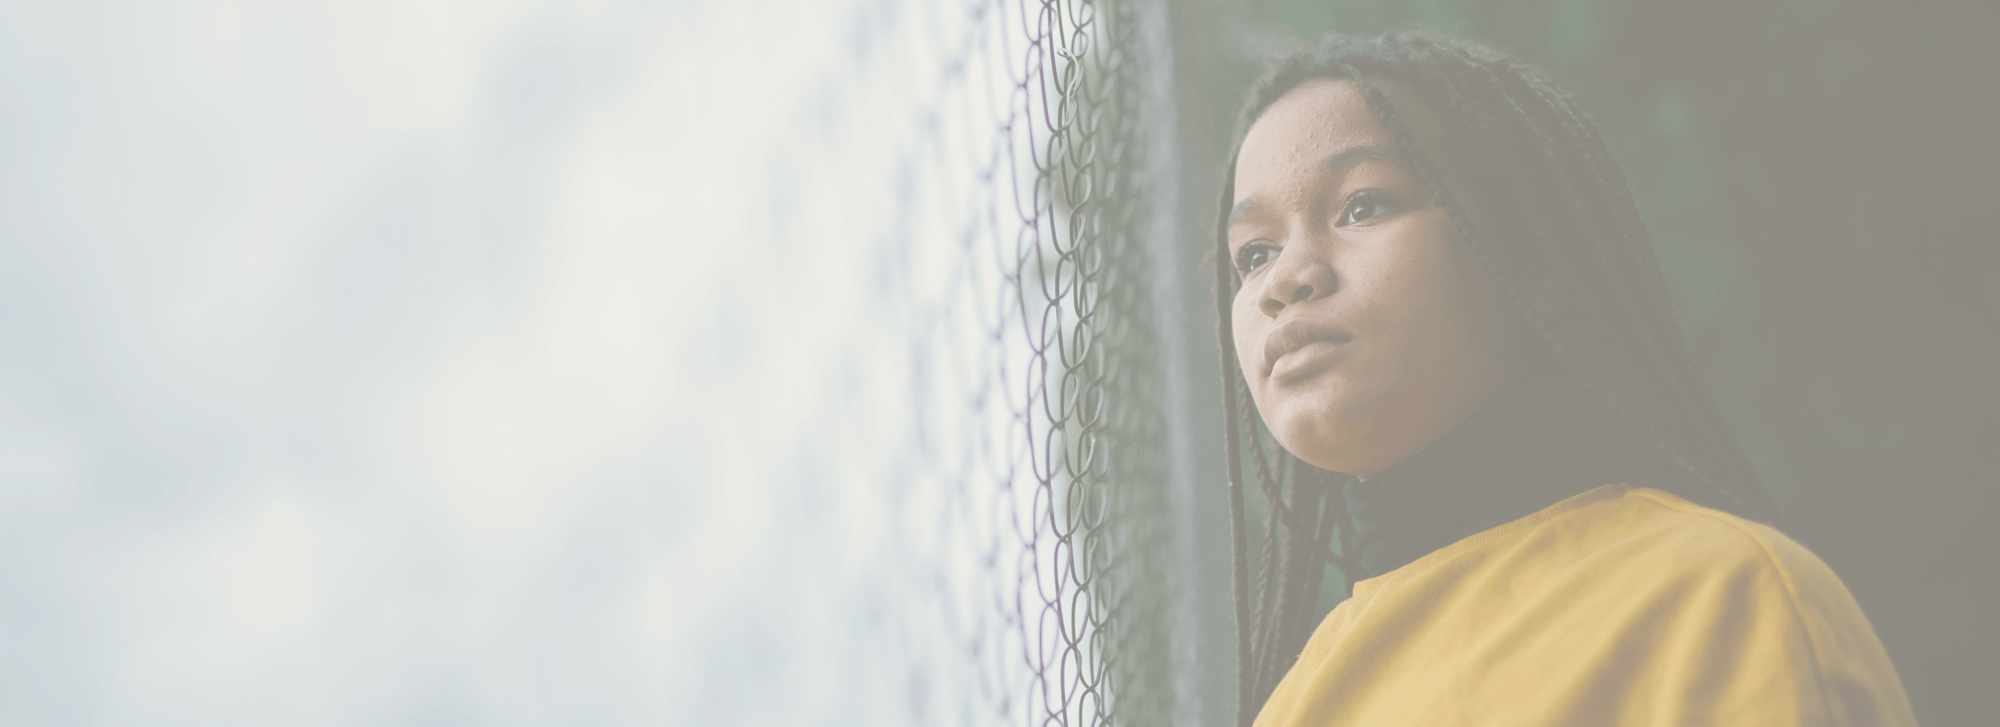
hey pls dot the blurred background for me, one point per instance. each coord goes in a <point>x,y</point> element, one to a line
<point>850,361</point>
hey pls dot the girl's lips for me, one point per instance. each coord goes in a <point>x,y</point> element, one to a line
<point>1296,334</point>
<point>1305,360</point>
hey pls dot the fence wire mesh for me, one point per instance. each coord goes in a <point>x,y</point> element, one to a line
<point>1074,474</point>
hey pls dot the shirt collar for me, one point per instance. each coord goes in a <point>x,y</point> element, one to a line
<point>1544,441</point>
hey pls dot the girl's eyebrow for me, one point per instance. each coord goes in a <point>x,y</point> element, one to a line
<point>1236,213</point>
<point>1339,161</point>
<point>1350,156</point>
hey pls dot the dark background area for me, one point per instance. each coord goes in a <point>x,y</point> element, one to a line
<point>1819,176</point>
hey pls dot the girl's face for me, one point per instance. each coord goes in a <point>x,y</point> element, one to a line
<point>1365,330</point>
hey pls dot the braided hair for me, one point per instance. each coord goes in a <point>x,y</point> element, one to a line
<point>1562,215</point>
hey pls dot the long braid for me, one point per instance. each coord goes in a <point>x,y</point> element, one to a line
<point>1343,523</point>
<point>1656,321</point>
<point>1267,586</point>
<point>1661,439</point>
<point>1307,571</point>
<point>1264,597</point>
<point>1754,495</point>
<point>1663,334</point>
<point>1295,563</point>
<point>1267,604</point>
<point>1246,710</point>
<point>1650,326</point>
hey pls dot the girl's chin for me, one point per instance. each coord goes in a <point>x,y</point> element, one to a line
<point>1320,447</point>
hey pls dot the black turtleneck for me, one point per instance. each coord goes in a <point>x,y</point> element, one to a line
<point>1536,445</point>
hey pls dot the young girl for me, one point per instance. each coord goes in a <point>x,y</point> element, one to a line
<point>1436,291</point>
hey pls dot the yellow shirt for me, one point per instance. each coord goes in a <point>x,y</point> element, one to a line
<point>1619,606</point>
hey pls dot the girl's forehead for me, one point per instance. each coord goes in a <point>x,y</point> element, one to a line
<point>1311,134</point>
<point>1320,118</point>
<point>1313,118</point>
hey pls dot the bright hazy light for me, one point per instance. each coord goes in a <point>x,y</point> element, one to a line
<point>433,363</point>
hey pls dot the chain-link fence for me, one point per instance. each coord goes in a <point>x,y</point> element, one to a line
<point>1082,591</point>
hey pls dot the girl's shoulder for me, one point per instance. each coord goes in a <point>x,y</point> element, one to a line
<point>1712,541</point>
<point>1738,581</point>
<point>1622,529</point>
<point>1625,537</point>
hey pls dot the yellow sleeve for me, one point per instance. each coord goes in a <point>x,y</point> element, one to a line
<point>1857,684</point>
<point>1759,631</point>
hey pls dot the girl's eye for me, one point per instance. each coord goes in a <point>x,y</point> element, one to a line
<point>1365,205</point>
<point>1254,255</point>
